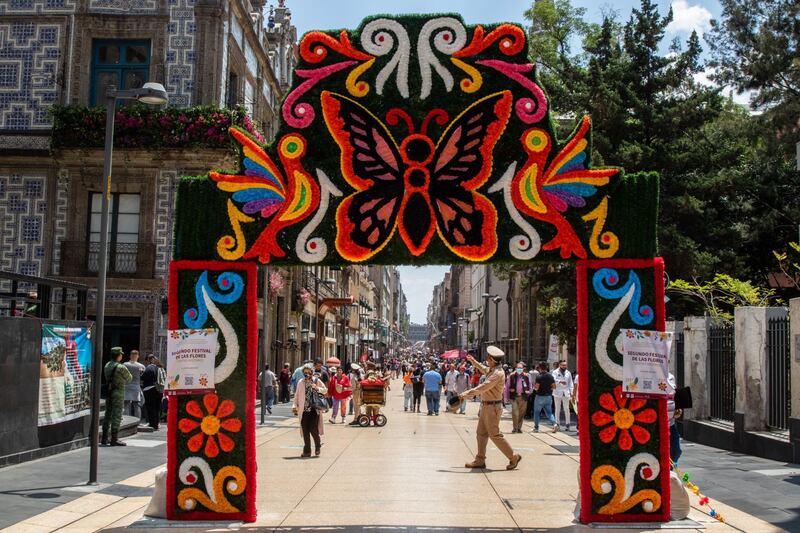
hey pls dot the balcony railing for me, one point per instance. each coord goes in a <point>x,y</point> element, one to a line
<point>133,260</point>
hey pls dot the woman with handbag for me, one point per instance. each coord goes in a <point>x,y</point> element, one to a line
<point>309,403</point>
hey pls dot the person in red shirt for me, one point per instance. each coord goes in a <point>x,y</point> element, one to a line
<point>340,390</point>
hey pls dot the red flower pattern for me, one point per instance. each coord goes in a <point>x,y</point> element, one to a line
<point>210,423</point>
<point>623,416</point>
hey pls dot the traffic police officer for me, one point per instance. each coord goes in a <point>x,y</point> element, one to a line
<point>491,393</point>
<point>116,376</point>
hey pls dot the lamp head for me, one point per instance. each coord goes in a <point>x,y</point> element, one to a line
<point>152,93</point>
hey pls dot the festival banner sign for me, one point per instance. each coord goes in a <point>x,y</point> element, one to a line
<point>191,355</point>
<point>65,373</point>
<point>645,363</point>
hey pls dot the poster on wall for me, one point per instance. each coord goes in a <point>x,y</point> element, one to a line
<point>645,363</point>
<point>65,371</point>
<point>190,360</point>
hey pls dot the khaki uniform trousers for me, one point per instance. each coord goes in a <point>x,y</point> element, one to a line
<point>489,428</point>
<point>518,407</point>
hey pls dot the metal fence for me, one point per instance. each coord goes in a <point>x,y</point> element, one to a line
<point>722,358</point>
<point>778,377</point>
<point>679,359</point>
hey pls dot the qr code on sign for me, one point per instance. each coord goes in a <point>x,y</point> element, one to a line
<point>188,381</point>
<point>647,384</point>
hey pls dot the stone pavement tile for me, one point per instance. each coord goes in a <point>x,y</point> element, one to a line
<point>110,514</point>
<point>90,503</point>
<point>54,519</point>
<point>23,527</point>
<point>404,518</point>
<point>145,479</point>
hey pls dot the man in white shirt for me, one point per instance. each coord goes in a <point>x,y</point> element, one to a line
<point>450,382</point>
<point>563,392</point>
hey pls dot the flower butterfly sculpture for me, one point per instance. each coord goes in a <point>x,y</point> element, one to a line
<point>623,416</point>
<point>210,424</point>
<point>262,190</point>
<point>416,186</point>
<point>545,191</point>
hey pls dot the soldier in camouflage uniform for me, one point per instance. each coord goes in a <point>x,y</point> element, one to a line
<point>116,376</point>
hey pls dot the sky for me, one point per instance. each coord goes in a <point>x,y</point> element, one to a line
<point>307,15</point>
<point>316,14</point>
<point>418,283</point>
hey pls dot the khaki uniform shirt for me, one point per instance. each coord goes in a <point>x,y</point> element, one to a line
<point>491,390</point>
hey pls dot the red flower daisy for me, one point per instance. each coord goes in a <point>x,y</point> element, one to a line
<point>211,423</point>
<point>622,416</point>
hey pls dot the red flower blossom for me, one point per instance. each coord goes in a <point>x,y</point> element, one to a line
<point>622,416</point>
<point>211,423</point>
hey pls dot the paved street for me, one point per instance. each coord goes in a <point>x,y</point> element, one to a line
<point>406,475</point>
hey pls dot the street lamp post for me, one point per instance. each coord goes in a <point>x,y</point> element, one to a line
<point>485,331</point>
<point>496,301</point>
<point>150,93</point>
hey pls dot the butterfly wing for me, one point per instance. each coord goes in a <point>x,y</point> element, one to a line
<point>467,220</point>
<point>260,189</point>
<point>371,164</point>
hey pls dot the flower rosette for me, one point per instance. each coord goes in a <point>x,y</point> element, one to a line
<point>623,418</point>
<point>209,425</point>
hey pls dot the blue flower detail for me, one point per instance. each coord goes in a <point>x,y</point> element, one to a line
<point>231,288</point>
<point>606,283</point>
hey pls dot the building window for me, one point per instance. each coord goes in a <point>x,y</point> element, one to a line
<point>123,64</point>
<point>233,90</point>
<point>123,232</point>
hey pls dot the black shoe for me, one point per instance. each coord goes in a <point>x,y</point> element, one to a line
<point>117,443</point>
<point>269,410</point>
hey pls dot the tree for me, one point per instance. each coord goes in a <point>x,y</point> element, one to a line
<point>723,294</point>
<point>754,46</point>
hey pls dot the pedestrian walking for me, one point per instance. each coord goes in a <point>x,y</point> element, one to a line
<point>408,391</point>
<point>562,395</point>
<point>450,382</point>
<point>341,390</point>
<point>491,393</point>
<point>133,389</point>
<point>356,375</point>
<point>433,390</point>
<point>418,388</point>
<point>517,390</point>
<point>543,399</point>
<point>532,375</point>
<point>285,381</point>
<point>268,382</point>
<point>117,376</point>
<point>462,385</point>
<point>311,424</point>
<point>153,390</point>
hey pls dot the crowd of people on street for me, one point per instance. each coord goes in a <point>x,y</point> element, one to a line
<point>313,389</point>
<point>316,390</point>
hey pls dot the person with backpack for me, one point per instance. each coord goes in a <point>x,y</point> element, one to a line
<point>117,376</point>
<point>154,379</point>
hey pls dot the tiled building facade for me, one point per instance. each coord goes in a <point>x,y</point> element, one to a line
<point>222,53</point>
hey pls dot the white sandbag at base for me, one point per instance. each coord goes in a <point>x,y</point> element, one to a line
<point>679,501</point>
<point>157,508</point>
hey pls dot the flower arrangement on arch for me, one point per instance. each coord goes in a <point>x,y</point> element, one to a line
<point>213,421</point>
<point>623,416</point>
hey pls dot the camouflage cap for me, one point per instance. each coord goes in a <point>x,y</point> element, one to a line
<point>116,350</point>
